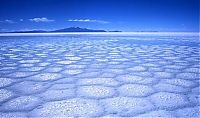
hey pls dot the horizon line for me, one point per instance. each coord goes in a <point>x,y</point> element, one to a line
<point>105,34</point>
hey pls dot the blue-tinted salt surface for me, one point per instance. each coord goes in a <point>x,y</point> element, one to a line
<point>99,76</point>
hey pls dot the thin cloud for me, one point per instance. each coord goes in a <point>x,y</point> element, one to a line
<point>43,19</point>
<point>88,20</point>
<point>7,21</point>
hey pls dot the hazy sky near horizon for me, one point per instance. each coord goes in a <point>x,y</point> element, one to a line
<point>125,15</point>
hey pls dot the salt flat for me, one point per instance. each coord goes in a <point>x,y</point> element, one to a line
<point>92,75</point>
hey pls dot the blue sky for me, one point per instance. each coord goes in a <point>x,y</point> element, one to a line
<point>125,15</point>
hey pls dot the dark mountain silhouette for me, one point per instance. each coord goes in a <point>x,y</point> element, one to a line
<point>70,29</point>
<point>115,31</point>
<point>77,29</point>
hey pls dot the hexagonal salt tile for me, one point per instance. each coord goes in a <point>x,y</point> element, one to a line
<point>129,78</point>
<point>137,68</point>
<point>72,71</point>
<point>127,106</point>
<point>169,101</point>
<point>52,95</point>
<point>67,108</point>
<point>23,103</point>
<point>98,81</point>
<point>95,91</point>
<point>135,90</point>
<point>45,77</point>
<point>163,75</point>
<point>180,82</point>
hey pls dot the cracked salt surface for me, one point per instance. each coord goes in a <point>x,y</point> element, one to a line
<point>99,76</point>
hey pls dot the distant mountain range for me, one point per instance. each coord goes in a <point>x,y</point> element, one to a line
<point>70,29</point>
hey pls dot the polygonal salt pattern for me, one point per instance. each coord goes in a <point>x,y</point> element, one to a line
<point>66,62</point>
<point>143,74</point>
<point>170,88</point>
<point>23,103</point>
<point>5,94</point>
<point>53,69</point>
<point>19,75</point>
<point>169,101</point>
<point>92,74</point>
<point>62,86</point>
<point>180,82</point>
<point>129,78</point>
<point>115,71</point>
<point>31,69</point>
<point>72,71</point>
<point>98,81</point>
<point>135,90</point>
<point>137,68</point>
<point>127,106</point>
<point>54,95</point>
<point>29,87</point>
<point>66,108</point>
<point>6,82</point>
<point>45,77</point>
<point>163,75</point>
<point>83,76</point>
<point>95,91</point>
